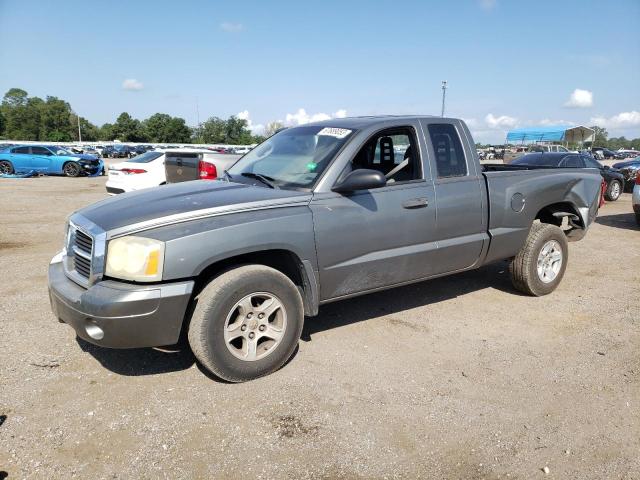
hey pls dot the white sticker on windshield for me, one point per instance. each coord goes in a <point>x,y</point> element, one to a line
<point>334,132</point>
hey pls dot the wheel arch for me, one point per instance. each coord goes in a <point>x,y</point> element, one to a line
<point>555,213</point>
<point>299,271</point>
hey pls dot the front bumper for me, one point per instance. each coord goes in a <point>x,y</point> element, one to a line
<point>117,314</point>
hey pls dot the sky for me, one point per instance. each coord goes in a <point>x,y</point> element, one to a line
<point>508,63</point>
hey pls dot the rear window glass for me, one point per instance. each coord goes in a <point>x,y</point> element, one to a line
<point>145,157</point>
<point>538,160</point>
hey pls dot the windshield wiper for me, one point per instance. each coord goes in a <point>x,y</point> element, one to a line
<point>263,178</point>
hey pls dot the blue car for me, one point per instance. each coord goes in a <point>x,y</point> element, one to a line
<point>49,160</point>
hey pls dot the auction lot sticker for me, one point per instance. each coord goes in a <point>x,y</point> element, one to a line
<point>334,132</point>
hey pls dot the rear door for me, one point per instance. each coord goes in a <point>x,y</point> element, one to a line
<point>461,219</point>
<point>21,158</point>
<point>182,166</point>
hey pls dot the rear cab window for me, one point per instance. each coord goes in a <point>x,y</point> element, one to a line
<point>449,153</point>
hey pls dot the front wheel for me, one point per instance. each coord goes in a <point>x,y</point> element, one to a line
<point>613,191</point>
<point>71,169</point>
<point>540,265</point>
<point>246,323</point>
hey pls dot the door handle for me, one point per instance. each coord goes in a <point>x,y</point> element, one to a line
<point>416,203</point>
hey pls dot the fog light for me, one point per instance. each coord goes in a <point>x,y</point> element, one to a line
<point>94,331</point>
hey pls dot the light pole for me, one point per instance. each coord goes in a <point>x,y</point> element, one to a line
<point>79,131</point>
<point>444,91</point>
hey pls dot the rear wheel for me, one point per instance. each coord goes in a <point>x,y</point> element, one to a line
<point>540,265</point>
<point>6,168</point>
<point>246,323</point>
<point>613,191</point>
<point>71,169</point>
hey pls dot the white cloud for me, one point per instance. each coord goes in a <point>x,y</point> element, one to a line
<point>301,116</point>
<point>132,84</point>
<point>256,129</point>
<point>501,122</point>
<point>620,121</point>
<point>546,121</point>
<point>488,4</point>
<point>231,27</point>
<point>580,99</point>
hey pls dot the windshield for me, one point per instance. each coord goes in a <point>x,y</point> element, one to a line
<point>145,157</point>
<point>60,151</point>
<point>295,157</point>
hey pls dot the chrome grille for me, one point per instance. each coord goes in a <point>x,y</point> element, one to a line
<point>84,251</point>
<point>83,241</point>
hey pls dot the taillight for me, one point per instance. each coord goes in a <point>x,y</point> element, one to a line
<point>207,170</point>
<point>131,171</point>
<point>603,188</point>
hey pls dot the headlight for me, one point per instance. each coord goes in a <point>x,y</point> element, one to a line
<point>135,258</point>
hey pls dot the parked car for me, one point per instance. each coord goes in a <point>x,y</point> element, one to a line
<point>241,150</point>
<point>148,170</point>
<point>48,160</point>
<point>122,151</point>
<point>613,177</point>
<point>605,153</point>
<point>107,151</point>
<point>626,154</point>
<point>315,214</point>
<point>635,199</point>
<point>630,169</point>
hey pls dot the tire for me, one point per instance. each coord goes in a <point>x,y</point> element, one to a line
<point>6,168</point>
<point>614,189</point>
<point>71,169</point>
<point>524,268</point>
<point>218,307</point>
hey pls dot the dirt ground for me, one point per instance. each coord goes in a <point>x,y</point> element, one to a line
<point>460,377</point>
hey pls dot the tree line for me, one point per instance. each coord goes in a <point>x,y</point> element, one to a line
<point>52,120</point>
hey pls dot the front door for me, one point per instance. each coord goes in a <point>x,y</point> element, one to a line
<point>379,237</point>
<point>40,159</point>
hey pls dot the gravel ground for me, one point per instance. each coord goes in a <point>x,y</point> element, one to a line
<point>459,377</point>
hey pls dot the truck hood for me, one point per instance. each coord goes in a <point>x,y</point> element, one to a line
<point>182,201</point>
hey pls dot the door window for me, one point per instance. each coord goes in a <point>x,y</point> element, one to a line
<point>392,152</point>
<point>21,150</point>
<point>450,160</point>
<point>40,151</point>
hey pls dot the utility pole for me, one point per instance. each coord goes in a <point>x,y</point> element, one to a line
<point>79,131</point>
<point>198,120</point>
<point>444,91</point>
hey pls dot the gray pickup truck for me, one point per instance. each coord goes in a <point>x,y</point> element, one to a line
<point>315,214</point>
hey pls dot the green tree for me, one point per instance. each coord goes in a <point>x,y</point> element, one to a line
<point>128,129</point>
<point>21,115</point>
<point>163,128</point>
<point>213,130</point>
<point>600,137</point>
<point>89,131</point>
<point>2,124</point>
<point>57,121</point>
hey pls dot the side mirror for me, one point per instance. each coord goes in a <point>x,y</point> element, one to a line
<point>607,167</point>
<point>361,179</point>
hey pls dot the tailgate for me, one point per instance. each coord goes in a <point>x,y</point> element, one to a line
<point>182,167</point>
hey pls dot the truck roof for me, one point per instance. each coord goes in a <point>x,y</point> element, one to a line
<point>365,121</point>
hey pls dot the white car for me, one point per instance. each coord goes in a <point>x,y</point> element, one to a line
<point>148,169</point>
